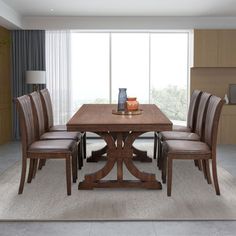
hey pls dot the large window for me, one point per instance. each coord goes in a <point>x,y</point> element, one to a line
<point>169,73</point>
<point>152,66</point>
<point>130,65</point>
<point>90,68</point>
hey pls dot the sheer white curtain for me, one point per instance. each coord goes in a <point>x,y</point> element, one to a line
<point>58,73</point>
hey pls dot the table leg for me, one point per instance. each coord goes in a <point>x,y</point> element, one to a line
<point>120,151</point>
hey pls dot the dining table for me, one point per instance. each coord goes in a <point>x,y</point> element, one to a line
<point>119,131</point>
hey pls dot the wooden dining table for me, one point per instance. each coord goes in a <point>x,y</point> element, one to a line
<point>119,132</point>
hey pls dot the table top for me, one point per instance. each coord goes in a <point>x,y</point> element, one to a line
<point>99,118</point>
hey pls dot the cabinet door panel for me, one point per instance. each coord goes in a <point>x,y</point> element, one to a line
<point>227,48</point>
<point>205,48</point>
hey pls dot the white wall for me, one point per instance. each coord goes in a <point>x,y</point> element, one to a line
<point>145,23</point>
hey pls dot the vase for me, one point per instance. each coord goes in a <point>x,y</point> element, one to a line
<point>122,97</point>
<point>132,104</point>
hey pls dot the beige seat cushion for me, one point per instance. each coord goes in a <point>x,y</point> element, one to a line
<point>181,128</point>
<point>174,135</point>
<point>52,146</point>
<point>60,135</point>
<point>183,147</point>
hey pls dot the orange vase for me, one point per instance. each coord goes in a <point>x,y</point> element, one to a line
<point>132,104</point>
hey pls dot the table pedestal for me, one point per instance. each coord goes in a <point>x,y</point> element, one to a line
<point>98,155</point>
<point>119,150</point>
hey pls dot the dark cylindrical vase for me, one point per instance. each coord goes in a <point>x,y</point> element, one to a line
<point>122,97</point>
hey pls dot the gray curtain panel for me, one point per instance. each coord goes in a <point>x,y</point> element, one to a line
<point>28,53</point>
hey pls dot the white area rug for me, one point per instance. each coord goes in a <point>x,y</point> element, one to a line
<point>45,198</point>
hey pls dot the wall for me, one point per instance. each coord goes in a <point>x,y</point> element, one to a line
<point>5,86</point>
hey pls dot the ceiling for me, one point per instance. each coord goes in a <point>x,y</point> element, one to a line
<point>224,8</point>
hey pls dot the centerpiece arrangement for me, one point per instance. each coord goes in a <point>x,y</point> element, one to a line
<point>127,105</point>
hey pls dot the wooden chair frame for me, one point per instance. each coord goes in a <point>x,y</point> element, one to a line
<point>28,137</point>
<point>210,137</point>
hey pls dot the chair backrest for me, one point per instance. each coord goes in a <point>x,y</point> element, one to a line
<point>212,120</point>
<point>47,107</point>
<point>26,121</point>
<point>201,114</point>
<point>38,113</point>
<point>193,107</point>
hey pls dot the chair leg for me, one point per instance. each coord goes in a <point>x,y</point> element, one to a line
<point>41,164</point>
<point>160,154</point>
<point>23,174</point>
<point>163,169</point>
<point>208,172</point>
<point>80,155</point>
<point>204,168</point>
<point>199,165</point>
<point>44,162</point>
<point>84,146</point>
<point>68,175</point>
<point>169,176</point>
<point>31,170</point>
<point>74,166</point>
<point>35,167</point>
<point>155,146</point>
<point>215,178</point>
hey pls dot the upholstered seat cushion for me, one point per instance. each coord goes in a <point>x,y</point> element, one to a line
<point>52,146</point>
<point>174,135</point>
<point>61,135</point>
<point>181,128</point>
<point>58,128</point>
<point>183,147</point>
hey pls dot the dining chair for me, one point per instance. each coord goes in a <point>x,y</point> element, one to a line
<point>33,148</point>
<point>49,121</point>
<point>196,150</point>
<point>191,136</point>
<point>191,121</point>
<point>39,123</point>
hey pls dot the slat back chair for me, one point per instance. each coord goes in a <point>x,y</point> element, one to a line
<point>196,150</point>
<point>34,149</point>
<point>39,121</point>
<point>48,117</point>
<point>201,114</point>
<point>193,109</point>
<point>39,118</point>
<point>191,123</point>
<point>196,136</point>
<point>47,106</point>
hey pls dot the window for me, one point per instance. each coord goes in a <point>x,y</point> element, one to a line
<point>152,66</point>
<point>130,65</point>
<point>169,73</point>
<point>89,68</point>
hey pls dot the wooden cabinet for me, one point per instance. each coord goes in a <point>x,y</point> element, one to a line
<point>227,48</point>
<point>205,48</point>
<point>5,88</point>
<point>214,69</point>
<point>216,80</point>
<point>214,48</point>
<point>227,131</point>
